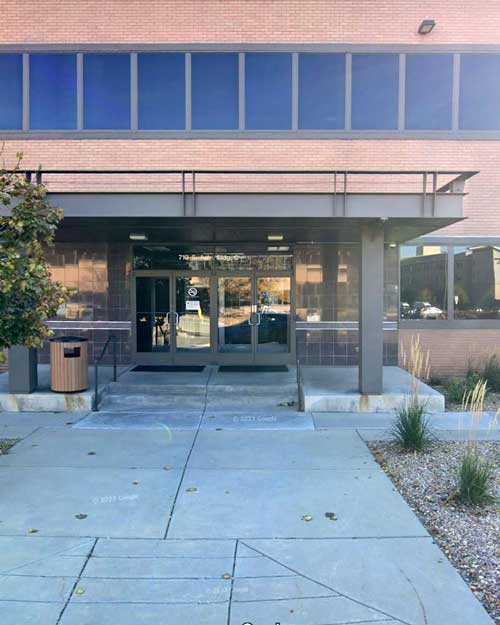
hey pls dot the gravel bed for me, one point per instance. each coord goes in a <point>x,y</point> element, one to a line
<point>6,444</point>
<point>470,537</point>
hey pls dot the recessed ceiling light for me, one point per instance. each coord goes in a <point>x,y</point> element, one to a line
<point>137,236</point>
<point>426,26</point>
<point>278,248</point>
<point>275,237</point>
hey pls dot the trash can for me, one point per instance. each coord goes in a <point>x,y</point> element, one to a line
<point>68,364</point>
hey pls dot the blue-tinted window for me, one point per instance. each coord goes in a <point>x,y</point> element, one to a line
<point>268,91</point>
<point>214,91</point>
<point>480,92</point>
<point>321,91</point>
<point>162,91</point>
<point>11,91</point>
<point>375,91</point>
<point>106,91</point>
<point>52,91</point>
<point>429,86</point>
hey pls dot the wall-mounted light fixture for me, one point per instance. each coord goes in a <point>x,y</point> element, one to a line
<point>137,236</point>
<point>426,26</point>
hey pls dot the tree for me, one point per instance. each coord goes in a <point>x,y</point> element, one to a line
<point>28,296</point>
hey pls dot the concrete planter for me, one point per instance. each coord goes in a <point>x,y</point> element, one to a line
<point>23,375</point>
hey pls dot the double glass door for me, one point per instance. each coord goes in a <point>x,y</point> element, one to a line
<point>225,318</point>
<point>172,317</point>
<point>254,318</point>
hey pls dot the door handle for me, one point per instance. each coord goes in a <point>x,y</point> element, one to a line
<point>250,319</point>
<point>258,319</point>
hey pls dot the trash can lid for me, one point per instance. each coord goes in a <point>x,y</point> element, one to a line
<point>68,339</point>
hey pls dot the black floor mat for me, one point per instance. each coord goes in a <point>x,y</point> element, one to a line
<point>169,368</point>
<point>252,368</point>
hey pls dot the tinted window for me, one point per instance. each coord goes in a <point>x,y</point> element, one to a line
<point>477,282</point>
<point>375,91</point>
<point>11,91</point>
<point>268,91</point>
<point>214,91</point>
<point>52,91</point>
<point>480,92</point>
<point>424,286</point>
<point>321,91</point>
<point>429,81</point>
<point>106,91</point>
<point>162,91</point>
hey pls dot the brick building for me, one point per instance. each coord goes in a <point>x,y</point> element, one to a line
<point>244,230</point>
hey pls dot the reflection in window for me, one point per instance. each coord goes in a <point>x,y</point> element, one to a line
<point>106,91</point>
<point>52,91</point>
<point>214,91</point>
<point>375,91</point>
<point>327,282</point>
<point>161,91</point>
<point>11,91</point>
<point>321,91</point>
<point>423,282</point>
<point>391,279</point>
<point>480,92</point>
<point>428,85</point>
<point>477,282</point>
<point>268,91</point>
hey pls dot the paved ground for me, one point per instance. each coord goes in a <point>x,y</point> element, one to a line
<point>183,520</point>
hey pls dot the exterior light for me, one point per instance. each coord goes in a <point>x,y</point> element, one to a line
<point>275,237</point>
<point>426,26</point>
<point>137,236</point>
<point>393,245</point>
<point>278,248</point>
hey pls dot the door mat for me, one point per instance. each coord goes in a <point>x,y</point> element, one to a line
<point>169,368</point>
<point>252,368</point>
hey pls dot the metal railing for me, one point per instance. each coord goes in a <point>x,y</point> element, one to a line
<point>300,387</point>
<point>95,400</point>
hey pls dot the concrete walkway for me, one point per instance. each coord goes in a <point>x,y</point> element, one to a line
<point>186,525</point>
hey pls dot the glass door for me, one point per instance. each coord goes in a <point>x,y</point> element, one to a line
<point>153,327</point>
<point>254,319</point>
<point>192,314</point>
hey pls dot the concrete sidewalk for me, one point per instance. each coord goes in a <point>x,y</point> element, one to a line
<point>213,527</point>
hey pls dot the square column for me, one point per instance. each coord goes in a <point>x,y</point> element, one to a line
<point>371,309</point>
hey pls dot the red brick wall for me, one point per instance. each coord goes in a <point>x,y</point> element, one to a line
<point>452,350</point>
<point>268,21</point>
<point>249,21</point>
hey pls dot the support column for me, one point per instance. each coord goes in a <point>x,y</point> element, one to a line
<point>371,309</point>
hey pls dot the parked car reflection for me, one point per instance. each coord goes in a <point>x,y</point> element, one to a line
<point>421,310</point>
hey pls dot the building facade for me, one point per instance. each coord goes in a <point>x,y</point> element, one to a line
<point>260,182</point>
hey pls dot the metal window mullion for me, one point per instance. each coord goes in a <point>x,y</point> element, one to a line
<point>348,90</point>
<point>241,91</point>
<point>455,99</point>
<point>295,91</point>
<point>134,114</point>
<point>402,92</point>
<point>79,91</point>
<point>450,281</point>
<point>26,92</point>
<point>188,91</point>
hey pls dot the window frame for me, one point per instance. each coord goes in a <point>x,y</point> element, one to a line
<point>241,132</point>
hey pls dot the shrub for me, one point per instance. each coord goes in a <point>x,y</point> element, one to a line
<point>491,372</point>
<point>474,477</point>
<point>457,388</point>
<point>411,429</point>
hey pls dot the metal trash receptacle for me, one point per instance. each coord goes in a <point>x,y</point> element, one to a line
<point>69,364</point>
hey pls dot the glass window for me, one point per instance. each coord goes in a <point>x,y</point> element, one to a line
<point>268,91</point>
<point>178,257</point>
<point>480,92</point>
<point>429,85</point>
<point>161,91</point>
<point>11,91</point>
<point>214,91</point>
<point>52,91</point>
<point>424,275</point>
<point>106,91</point>
<point>477,282</point>
<point>391,281</point>
<point>321,91</point>
<point>375,91</point>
